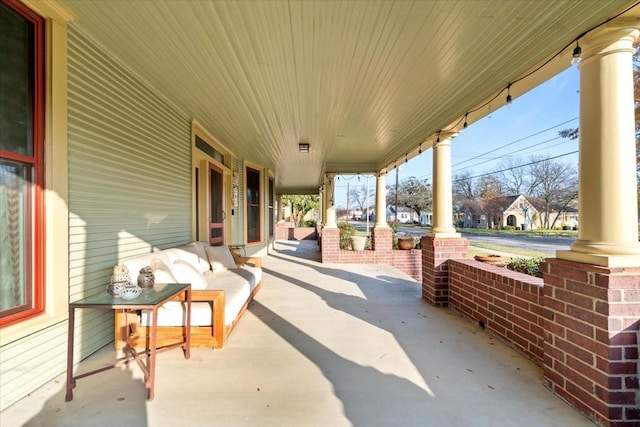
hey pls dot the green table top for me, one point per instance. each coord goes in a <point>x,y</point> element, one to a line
<point>149,297</point>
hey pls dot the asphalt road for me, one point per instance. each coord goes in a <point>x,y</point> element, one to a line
<point>541,244</point>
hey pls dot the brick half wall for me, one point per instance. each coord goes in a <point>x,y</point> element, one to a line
<point>507,303</point>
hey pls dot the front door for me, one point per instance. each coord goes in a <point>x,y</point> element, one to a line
<point>216,208</point>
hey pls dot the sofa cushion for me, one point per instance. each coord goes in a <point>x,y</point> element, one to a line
<point>173,313</point>
<point>184,272</point>
<point>220,255</point>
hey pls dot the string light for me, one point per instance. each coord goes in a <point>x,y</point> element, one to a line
<point>577,54</point>
<point>438,139</point>
<point>420,150</point>
<point>406,157</point>
<point>464,125</point>
<point>509,94</point>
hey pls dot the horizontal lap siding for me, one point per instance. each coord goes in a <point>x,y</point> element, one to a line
<point>129,177</point>
<point>129,154</point>
<point>510,304</point>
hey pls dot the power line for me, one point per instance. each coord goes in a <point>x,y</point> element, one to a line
<point>516,141</point>
<point>479,156</point>
<point>515,167</point>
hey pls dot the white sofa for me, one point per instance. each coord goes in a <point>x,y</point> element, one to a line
<point>222,285</point>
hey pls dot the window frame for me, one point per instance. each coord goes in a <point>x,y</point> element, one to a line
<point>35,280</point>
<point>247,170</point>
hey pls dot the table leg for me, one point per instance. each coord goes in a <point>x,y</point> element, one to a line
<point>152,355</point>
<point>187,339</point>
<point>70,381</point>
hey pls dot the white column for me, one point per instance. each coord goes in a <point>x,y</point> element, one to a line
<point>608,204</point>
<point>443,189</point>
<point>280,213</point>
<point>330,210</point>
<point>321,206</point>
<point>381,201</point>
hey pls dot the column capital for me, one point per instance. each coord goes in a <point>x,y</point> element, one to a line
<point>445,136</point>
<point>611,38</point>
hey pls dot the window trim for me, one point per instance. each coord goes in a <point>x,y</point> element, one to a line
<point>35,265</point>
<point>55,247</point>
<point>247,168</point>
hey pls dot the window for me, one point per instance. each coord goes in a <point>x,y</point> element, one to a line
<point>253,205</point>
<point>271,201</point>
<point>21,162</point>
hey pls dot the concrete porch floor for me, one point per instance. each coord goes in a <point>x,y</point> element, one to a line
<point>321,345</point>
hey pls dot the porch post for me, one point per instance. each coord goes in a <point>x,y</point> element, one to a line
<point>329,208</point>
<point>442,242</point>
<point>321,206</point>
<point>443,189</point>
<point>382,237</point>
<point>608,201</point>
<point>280,210</point>
<point>330,237</point>
<point>381,201</point>
<point>592,292</point>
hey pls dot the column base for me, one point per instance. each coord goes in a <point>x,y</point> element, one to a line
<point>613,261</point>
<point>444,234</point>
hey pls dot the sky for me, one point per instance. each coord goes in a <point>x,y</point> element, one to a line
<point>527,127</point>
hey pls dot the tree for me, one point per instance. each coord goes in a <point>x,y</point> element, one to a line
<point>413,193</point>
<point>464,196</point>
<point>555,184</point>
<point>300,205</point>
<point>359,197</point>
<point>489,186</point>
<point>513,177</point>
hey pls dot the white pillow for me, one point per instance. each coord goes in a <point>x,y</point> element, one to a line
<point>186,273</point>
<point>221,255</point>
<point>217,266</point>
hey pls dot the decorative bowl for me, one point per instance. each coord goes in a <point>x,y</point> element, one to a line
<point>130,292</point>
<point>116,278</point>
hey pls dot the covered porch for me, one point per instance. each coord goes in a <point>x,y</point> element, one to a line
<point>322,344</point>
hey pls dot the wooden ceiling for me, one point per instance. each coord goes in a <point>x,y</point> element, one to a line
<point>365,83</point>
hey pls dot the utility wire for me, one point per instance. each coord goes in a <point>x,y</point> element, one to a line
<point>515,167</point>
<point>515,142</point>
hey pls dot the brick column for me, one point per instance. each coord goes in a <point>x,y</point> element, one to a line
<point>591,339</point>
<point>330,245</point>
<point>435,276</point>
<point>382,239</point>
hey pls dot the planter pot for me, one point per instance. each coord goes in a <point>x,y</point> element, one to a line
<point>491,259</point>
<point>358,243</point>
<point>406,243</point>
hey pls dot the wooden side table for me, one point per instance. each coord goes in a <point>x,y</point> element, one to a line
<point>150,299</point>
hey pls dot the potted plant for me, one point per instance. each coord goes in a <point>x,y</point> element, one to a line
<point>406,242</point>
<point>358,243</point>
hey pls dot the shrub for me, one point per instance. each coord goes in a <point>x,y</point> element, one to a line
<point>346,231</point>
<point>509,227</point>
<point>309,223</point>
<point>530,266</point>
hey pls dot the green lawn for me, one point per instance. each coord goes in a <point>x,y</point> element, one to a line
<point>515,251</point>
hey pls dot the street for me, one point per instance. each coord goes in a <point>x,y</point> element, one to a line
<point>541,244</point>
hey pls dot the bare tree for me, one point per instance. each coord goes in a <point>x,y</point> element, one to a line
<point>488,186</point>
<point>513,176</point>
<point>358,196</point>
<point>555,184</point>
